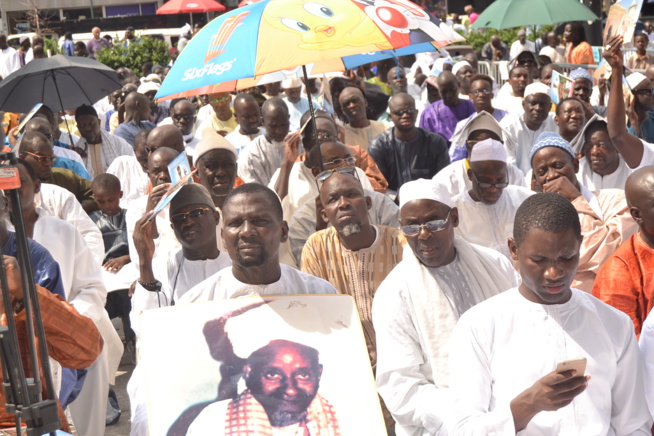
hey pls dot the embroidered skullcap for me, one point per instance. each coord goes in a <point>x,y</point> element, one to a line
<point>212,141</point>
<point>291,83</point>
<point>424,189</point>
<point>488,149</point>
<point>85,109</point>
<point>580,73</point>
<point>635,79</point>
<point>537,88</point>
<point>193,193</point>
<point>550,139</point>
<point>460,65</point>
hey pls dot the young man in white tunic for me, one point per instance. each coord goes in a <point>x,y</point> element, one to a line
<point>486,211</point>
<point>164,281</point>
<point>505,351</point>
<point>480,127</point>
<point>248,115</point>
<point>132,171</point>
<point>526,127</point>
<point>259,160</point>
<point>417,306</point>
<point>253,230</point>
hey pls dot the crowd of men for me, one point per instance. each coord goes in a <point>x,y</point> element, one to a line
<point>488,237</point>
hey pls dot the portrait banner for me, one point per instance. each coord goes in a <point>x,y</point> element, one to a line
<point>292,364</point>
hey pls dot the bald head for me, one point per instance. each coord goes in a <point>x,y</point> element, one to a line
<point>639,188</point>
<point>448,86</point>
<point>166,136</point>
<point>274,104</point>
<point>137,107</point>
<point>39,124</point>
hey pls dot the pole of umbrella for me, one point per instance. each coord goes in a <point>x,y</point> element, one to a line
<point>313,116</point>
<point>70,135</point>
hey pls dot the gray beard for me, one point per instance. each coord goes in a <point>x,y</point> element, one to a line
<point>351,229</point>
<point>283,419</point>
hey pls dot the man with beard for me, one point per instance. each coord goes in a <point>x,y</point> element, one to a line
<point>353,255</point>
<point>526,127</point>
<point>417,305</point>
<point>487,209</point>
<point>253,230</point>
<point>288,402</point>
<point>98,148</point>
<point>406,152</point>
<point>463,72</point>
<point>297,104</point>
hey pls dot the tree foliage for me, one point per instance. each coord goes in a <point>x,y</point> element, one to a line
<point>136,54</point>
<point>477,38</point>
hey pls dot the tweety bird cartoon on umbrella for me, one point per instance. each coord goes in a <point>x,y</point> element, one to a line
<point>326,26</point>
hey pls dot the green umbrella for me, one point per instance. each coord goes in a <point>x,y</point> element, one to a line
<point>504,14</point>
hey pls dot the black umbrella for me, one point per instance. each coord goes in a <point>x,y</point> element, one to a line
<point>60,82</point>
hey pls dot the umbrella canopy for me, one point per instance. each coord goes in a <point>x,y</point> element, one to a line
<point>275,35</point>
<point>60,82</point>
<point>504,14</point>
<point>190,7</point>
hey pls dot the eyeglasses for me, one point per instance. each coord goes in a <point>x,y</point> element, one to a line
<point>481,91</point>
<point>195,214</point>
<point>320,178</point>
<point>219,100</point>
<point>179,117</point>
<point>401,112</point>
<point>43,159</point>
<point>484,185</point>
<point>649,91</point>
<point>431,226</point>
<point>340,162</point>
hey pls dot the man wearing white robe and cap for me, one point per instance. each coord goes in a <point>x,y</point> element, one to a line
<point>506,351</point>
<point>526,127</point>
<point>253,230</point>
<point>481,127</point>
<point>415,309</point>
<point>296,103</point>
<point>486,211</point>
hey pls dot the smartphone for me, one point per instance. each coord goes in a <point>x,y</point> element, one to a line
<point>577,364</point>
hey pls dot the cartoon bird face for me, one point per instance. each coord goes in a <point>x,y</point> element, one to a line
<point>324,26</point>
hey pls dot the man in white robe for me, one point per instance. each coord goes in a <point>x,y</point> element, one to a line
<point>647,350</point>
<point>486,211</point>
<point>98,148</point>
<point>481,127</point>
<point>164,281</point>
<point>259,160</point>
<point>304,223</point>
<point>132,171</point>
<point>253,231</point>
<point>416,307</point>
<point>526,127</point>
<point>60,203</point>
<point>297,103</point>
<point>85,290</point>
<point>505,375</point>
<point>601,166</point>
<point>9,58</point>
<point>248,115</point>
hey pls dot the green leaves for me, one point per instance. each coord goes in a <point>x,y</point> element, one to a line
<point>144,50</point>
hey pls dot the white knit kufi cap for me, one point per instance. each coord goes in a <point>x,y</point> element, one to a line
<point>291,83</point>
<point>424,189</point>
<point>212,141</point>
<point>536,88</point>
<point>635,79</point>
<point>488,149</point>
<point>460,65</point>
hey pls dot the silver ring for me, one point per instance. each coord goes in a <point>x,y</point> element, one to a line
<point>607,47</point>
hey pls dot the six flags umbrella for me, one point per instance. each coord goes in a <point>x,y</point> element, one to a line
<point>274,35</point>
<point>60,82</point>
<point>504,14</point>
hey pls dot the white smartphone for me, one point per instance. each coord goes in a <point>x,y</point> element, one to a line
<point>567,365</point>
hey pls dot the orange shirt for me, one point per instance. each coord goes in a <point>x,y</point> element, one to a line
<point>626,282</point>
<point>581,54</point>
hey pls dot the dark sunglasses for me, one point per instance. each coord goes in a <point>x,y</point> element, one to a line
<point>179,218</point>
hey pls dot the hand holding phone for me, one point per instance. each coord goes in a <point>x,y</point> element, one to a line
<point>578,365</point>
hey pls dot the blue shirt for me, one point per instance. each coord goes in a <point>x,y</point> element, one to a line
<point>69,47</point>
<point>128,131</point>
<point>73,165</point>
<point>646,128</point>
<point>46,269</point>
